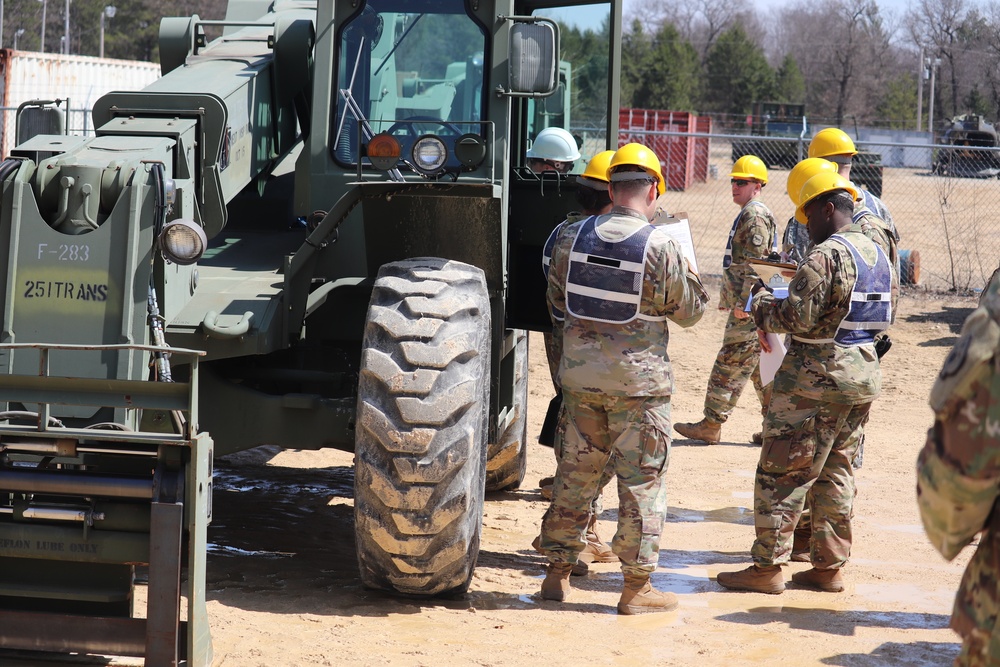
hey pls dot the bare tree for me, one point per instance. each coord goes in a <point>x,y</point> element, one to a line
<point>937,25</point>
<point>701,21</point>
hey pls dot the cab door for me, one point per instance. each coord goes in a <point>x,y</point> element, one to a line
<point>586,104</point>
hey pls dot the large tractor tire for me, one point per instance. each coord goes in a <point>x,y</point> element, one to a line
<point>420,451</point>
<point>507,458</point>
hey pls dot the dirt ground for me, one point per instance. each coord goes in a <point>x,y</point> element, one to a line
<point>284,587</point>
<point>284,590</point>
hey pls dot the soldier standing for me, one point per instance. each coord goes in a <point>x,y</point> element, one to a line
<point>753,235</point>
<point>837,301</point>
<point>594,199</point>
<point>795,241</point>
<point>834,145</point>
<point>617,279</point>
<point>958,476</point>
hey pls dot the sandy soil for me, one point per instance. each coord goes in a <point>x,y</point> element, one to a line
<point>284,588</point>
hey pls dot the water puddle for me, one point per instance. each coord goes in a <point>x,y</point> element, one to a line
<point>225,550</point>
<point>738,515</point>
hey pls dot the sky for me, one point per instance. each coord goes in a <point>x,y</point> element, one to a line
<point>588,15</point>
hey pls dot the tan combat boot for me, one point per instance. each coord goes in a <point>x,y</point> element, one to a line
<point>800,545</point>
<point>706,431</point>
<point>580,568</point>
<point>596,551</point>
<point>755,578</point>
<point>556,586</point>
<point>829,581</point>
<point>545,485</point>
<point>639,597</point>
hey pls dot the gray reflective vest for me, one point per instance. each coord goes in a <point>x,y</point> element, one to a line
<point>550,243</point>
<point>604,282</point>
<point>871,304</point>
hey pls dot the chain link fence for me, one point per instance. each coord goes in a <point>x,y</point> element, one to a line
<point>942,198</point>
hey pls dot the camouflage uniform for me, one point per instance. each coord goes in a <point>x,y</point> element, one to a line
<point>820,402</point>
<point>617,380</point>
<point>796,243</point>
<point>753,235</point>
<point>553,341</point>
<point>958,476</point>
<point>553,354</point>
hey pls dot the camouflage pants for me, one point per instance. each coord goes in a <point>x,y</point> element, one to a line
<point>976,613</point>
<point>633,433</point>
<point>609,470</point>
<point>807,452</point>
<point>737,362</point>
<point>553,354</point>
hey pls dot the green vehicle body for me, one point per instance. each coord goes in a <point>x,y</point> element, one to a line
<point>340,302</point>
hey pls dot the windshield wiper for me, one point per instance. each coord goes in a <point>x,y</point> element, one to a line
<point>396,45</point>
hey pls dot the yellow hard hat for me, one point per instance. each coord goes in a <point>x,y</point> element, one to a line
<point>639,156</point>
<point>596,173</point>
<point>805,170</point>
<point>831,141</point>
<point>821,183</point>
<point>750,166</point>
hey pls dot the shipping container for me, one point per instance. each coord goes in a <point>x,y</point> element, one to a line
<point>682,159</point>
<point>80,80</point>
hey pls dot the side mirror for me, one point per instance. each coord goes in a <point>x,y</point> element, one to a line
<point>533,57</point>
<point>37,117</point>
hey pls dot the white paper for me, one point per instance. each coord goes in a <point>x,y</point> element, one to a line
<point>779,291</point>
<point>679,228</point>
<point>771,361</point>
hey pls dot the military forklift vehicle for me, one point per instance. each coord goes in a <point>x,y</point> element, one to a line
<point>316,230</point>
<point>970,148</point>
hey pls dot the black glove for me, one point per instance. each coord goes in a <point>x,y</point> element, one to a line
<point>882,345</point>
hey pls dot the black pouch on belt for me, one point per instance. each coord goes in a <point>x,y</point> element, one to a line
<point>547,436</point>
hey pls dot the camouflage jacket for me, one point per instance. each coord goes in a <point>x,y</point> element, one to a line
<point>878,230</point>
<point>819,297</point>
<point>553,342</point>
<point>755,232</point>
<point>878,207</point>
<point>958,470</point>
<point>628,359</point>
<point>795,241</point>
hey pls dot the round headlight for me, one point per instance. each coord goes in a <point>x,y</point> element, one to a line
<point>183,242</point>
<point>470,149</point>
<point>429,154</point>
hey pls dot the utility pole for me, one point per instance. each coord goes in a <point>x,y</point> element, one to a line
<point>921,73</point>
<point>42,47</point>
<point>66,43</point>
<point>934,63</point>
<point>109,12</point>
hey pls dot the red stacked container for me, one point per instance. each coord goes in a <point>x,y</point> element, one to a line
<point>683,159</point>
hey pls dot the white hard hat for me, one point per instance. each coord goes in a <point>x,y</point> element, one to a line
<point>554,143</point>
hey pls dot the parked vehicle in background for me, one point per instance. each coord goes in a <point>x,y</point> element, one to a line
<point>974,149</point>
<point>775,120</point>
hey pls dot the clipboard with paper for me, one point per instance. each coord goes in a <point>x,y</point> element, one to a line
<point>776,276</point>
<point>677,225</point>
